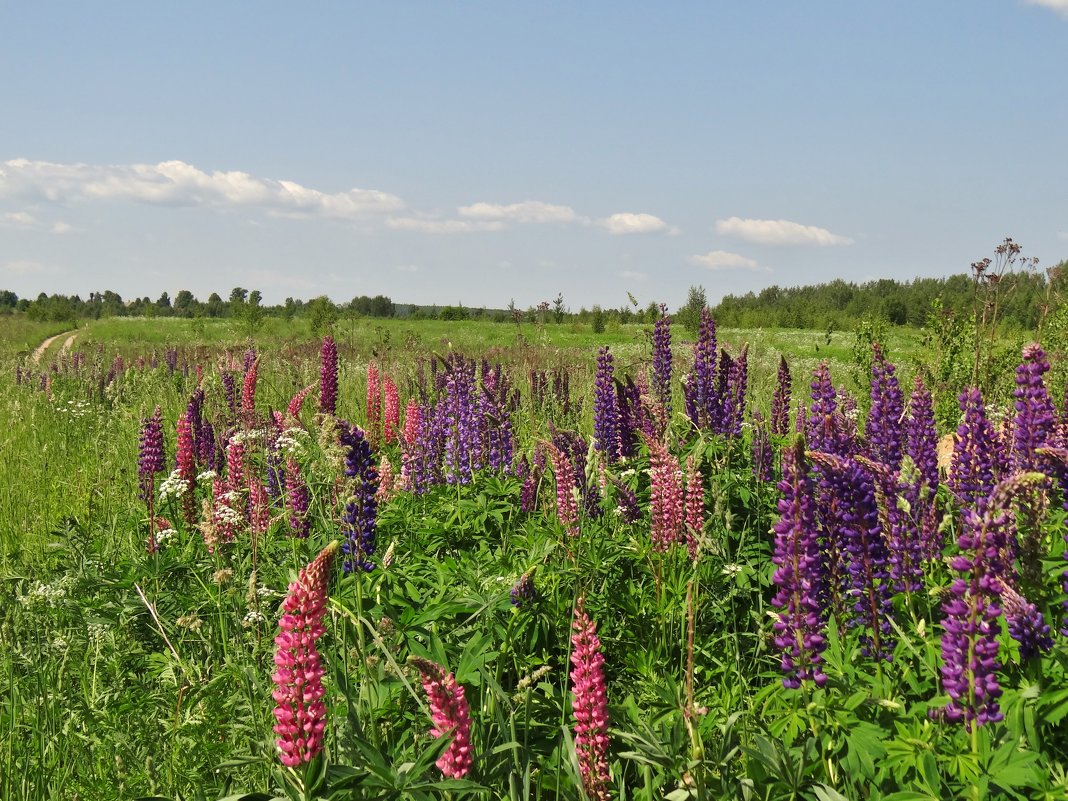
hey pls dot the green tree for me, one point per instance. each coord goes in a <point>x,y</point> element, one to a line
<point>690,314</point>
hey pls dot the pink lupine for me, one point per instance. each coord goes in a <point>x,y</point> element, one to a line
<point>248,394</point>
<point>589,706</point>
<point>392,419</point>
<point>187,465</point>
<point>300,712</point>
<point>412,418</point>
<point>328,376</point>
<point>566,489</point>
<point>235,471</point>
<point>666,498</point>
<point>221,527</point>
<point>450,714</point>
<point>695,506</point>
<point>386,481</point>
<point>374,402</point>
<point>259,506</point>
<point>297,402</point>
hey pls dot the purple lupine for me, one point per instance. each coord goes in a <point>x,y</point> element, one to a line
<point>799,576</point>
<point>574,446</point>
<point>463,455</point>
<point>298,500</point>
<point>605,409</point>
<point>249,360</point>
<point>824,428</point>
<point>531,476</point>
<point>971,473</point>
<point>424,454</point>
<point>230,393</point>
<point>703,403</point>
<point>849,509</point>
<point>884,430</point>
<point>328,376</point>
<point>171,357</point>
<point>780,400</point>
<point>276,476</point>
<point>921,437</point>
<point>661,381</point>
<point>900,521</point>
<point>629,404</point>
<point>151,460</point>
<point>734,399</point>
<point>523,592</point>
<point>1025,622</point>
<point>762,451</point>
<point>361,512</point>
<point>1035,422</point>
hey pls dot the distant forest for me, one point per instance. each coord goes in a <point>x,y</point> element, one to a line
<point>1024,299</point>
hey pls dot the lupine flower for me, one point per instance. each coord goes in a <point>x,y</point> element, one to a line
<point>386,483</point>
<point>695,506</point>
<point>900,521</point>
<point>971,474</point>
<point>299,500</point>
<point>1035,421</point>
<point>661,381</point>
<point>666,498</point>
<point>392,410</point>
<point>361,511</point>
<point>235,471</point>
<point>300,712</point>
<point>921,437</point>
<point>1025,621</point>
<point>523,592</point>
<point>327,376</point>
<point>248,394</point>
<point>230,392</point>
<point>450,714</point>
<point>628,402</point>
<point>151,459</point>
<point>762,450</point>
<point>799,577</point>
<point>194,411</point>
<point>566,490</point>
<point>589,706</point>
<point>259,507</point>
<point>780,400</point>
<point>703,403</point>
<point>296,403</point>
<point>171,357</point>
<point>187,465</point>
<point>824,426</point>
<point>605,408</point>
<point>887,409</point>
<point>411,422</point>
<point>249,360</point>
<point>374,401</point>
<point>734,399</point>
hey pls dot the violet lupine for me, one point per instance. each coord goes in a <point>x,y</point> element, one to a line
<point>605,408</point>
<point>276,475</point>
<point>780,400</point>
<point>824,430</point>
<point>900,521</point>
<point>661,381</point>
<point>574,446</point>
<point>762,450</point>
<point>230,393</point>
<point>523,593</point>
<point>694,506</point>
<point>327,376</point>
<point>589,706</point>
<point>1035,423</point>
<point>187,466</point>
<point>799,575</point>
<point>361,511</point>
<point>921,437</point>
<point>628,403</point>
<point>298,499</point>
<point>971,473</point>
<point>392,410</point>
<point>566,490</point>
<point>424,452</point>
<point>374,402</point>
<point>734,399</point>
<point>450,714</point>
<point>248,360</point>
<point>666,497</point>
<point>884,430</point>
<point>703,402</point>
<point>299,712</point>
<point>206,445</point>
<point>1025,623</point>
<point>194,411</point>
<point>150,459</point>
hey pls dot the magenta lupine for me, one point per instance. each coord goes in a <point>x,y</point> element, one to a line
<point>884,429</point>
<point>780,400</point>
<point>694,505</point>
<point>589,706</point>
<point>661,381</point>
<point>187,466</point>
<point>328,376</point>
<point>666,497</point>
<point>150,459</point>
<point>298,499</point>
<point>971,473</point>
<point>605,408</point>
<point>566,489</point>
<point>374,403</point>
<point>392,410</point>
<point>450,714</point>
<point>799,575</point>
<point>300,713</point>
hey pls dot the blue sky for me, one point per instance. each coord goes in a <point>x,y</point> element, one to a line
<point>480,152</point>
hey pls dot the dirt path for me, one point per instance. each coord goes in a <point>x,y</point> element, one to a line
<point>67,343</point>
<point>37,354</point>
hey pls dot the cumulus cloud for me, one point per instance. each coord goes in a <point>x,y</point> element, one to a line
<point>1060,6</point>
<point>429,226</point>
<point>631,223</point>
<point>23,267</point>
<point>529,211</point>
<point>722,260</point>
<point>633,275</point>
<point>20,219</point>
<point>779,232</point>
<point>176,183</point>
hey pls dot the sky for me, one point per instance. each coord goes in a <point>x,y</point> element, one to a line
<point>479,153</point>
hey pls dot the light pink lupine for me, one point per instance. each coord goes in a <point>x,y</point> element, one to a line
<point>374,403</point>
<point>412,418</point>
<point>589,706</point>
<point>695,506</point>
<point>187,465</point>
<point>259,506</point>
<point>235,471</point>
<point>386,483</point>
<point>566,504</point>
<point>392,421</point>
<point>450,714</point>
<point>222,516</point>
<point>666,499</point>
<point>298,678</point>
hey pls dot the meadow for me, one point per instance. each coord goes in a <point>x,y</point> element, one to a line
<point>428,559</point>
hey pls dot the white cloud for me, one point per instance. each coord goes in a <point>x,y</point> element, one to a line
<point>722,260</point>
<point>21,219</point>
<point>61,228</point>
<point>630,223</point>
<point>779,232</point>
<point>633,275</point>
<point>427,226</point>
<point>176,183</point>
<point>1063,235</point>
<point>1060,6</point>
<point>408,268</point>
<point>31,268</point>
<point>529,211</point>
